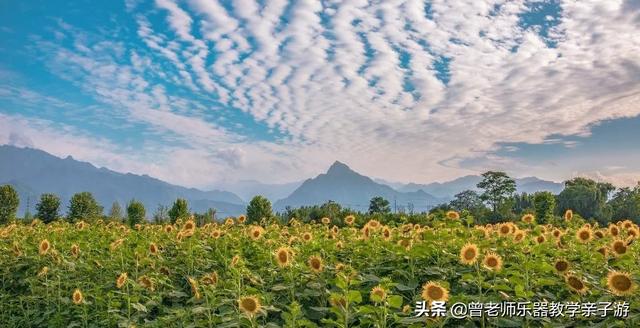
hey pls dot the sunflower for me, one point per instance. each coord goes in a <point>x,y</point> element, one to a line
<point>77,297</point>
<point>116,244</point>
<point>284,256</point>
<point>307,236</point>
<point>453,215</point>
<point>146,282</point>
<point>598,234</point>
<point>469,254</point>
<point>561,266</point>
<point>339,244</point>
<point>43,272</point>
<point>378,294</point>
<point>315,264</point>
<point>249,305</point>
<point>75,250</point>
<point>242,219</point>
<point>350,219</point>
<point>584,235</point>
<point>340,266</point>
<point>528,218</point>
<point>633,232</point>
<point>325,220</point>
<point>519,235</point>
<point>338,301</point>
<point>505,229</point>
<point>366,232</point>
<point>614,230</point>
<point>168,228</point>
<point>373,224</point>
<point>492,261</point>
<point>229,222</point>
<point>386,233</point>
<point>557,233</point>
<point>153,248</point>
<point>44,247</point>
<point>620,283</point>
<point>256,232</point>
<point>215,234</point>
<point>541,239</point>
<point>211,279</point>
<point>619,247</point>
<point>406,243</point>
<point>576,284</point>
<point>121,280</point>
<point>604,251</point>
<point>234,260</point>
<point>568,215</point>
<point>335,229</point>
<point>194,287</point>
<point>432,291</point>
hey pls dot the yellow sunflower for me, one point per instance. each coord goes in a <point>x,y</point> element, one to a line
<point>492,261</point>
<point>432,291</point>
<point>249,305</point>
<point>620,283</point>
<point>469,254</point>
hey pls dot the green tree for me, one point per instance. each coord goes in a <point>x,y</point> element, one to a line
<point>135,212</point>
<point>544,204</point>
<point>83,206</point>
<point>379,205</point>
<point>259,207</point>
<point>498,187</point>
<point>48,207</point>
<point>9,202</point>
<point>161,214</point>
<point>115,213</point>
<point>469,200</point>
<point>179,210</point>
<point>625,204</point>
<point>587,198</point>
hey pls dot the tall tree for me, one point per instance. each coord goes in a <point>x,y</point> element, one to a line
<point>259,207</point>
<point>161,214</point>
<point>9,202</point>
<point>179,210</point>
<point>625,204</point>
<point>587,198</point>
<point>83,206</point>
<point>498,187</point>
<point>48,208</point>
<point>379,205</point>
<point>544,204</point>
<point>135,212</point>
<point>115,213</point>
<point>466,200</point>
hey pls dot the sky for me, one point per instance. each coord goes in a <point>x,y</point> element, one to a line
<point>205,92</point>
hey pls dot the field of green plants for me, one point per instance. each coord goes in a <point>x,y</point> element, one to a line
<point>339,272</point>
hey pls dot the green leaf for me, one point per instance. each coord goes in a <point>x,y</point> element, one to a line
<point>395,301</point>
<point>354,296</point>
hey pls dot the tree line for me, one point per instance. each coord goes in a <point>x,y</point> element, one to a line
<point>495,201</point>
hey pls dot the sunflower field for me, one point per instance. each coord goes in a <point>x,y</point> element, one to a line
<point>339,272</point>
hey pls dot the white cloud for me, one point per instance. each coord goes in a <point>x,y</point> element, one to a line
<point>313,81</point>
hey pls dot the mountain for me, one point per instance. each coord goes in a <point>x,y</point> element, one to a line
<point>469,182</point>
<point>350,189</point>
<point>33,172</point>
<point>249,188</point>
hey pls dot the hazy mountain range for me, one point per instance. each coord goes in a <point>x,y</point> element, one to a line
<point>33,172</point>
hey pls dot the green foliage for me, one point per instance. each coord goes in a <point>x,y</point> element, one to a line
<point>9,202</point>
<point>625,204</point>
<point>498,187</point>
<point>179,210</point>
<point>161,215</point>
<point>48,208</point>
<point>115,213</point>
<point>544,204</point>
<point>379,205</point>
<point>83,206</point>
<point>587,198</point>
<point>135,212</point>
<point>259,207</point>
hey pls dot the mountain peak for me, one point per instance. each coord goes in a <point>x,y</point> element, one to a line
<point>339,168</point>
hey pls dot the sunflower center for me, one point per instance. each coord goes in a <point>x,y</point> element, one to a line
<point>492,262</point>
<point>435,292</point>
<point>575,283</point>
<point>562,265</point>
<point>249,304</point>
<point>621,283</point>
<point>470,254</point>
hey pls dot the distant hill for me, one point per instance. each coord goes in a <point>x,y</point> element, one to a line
<point>469,182</point>
<point>34,172</point>
<point>351,189</point>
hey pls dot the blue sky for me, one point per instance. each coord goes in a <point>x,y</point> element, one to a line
<point>202,93</point>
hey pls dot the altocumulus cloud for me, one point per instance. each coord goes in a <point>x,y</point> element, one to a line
<point>405,90</point>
